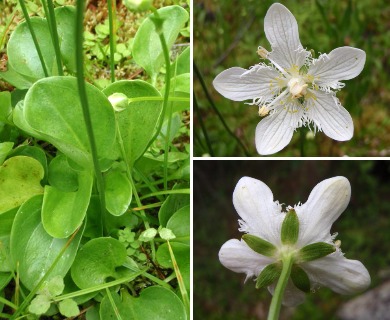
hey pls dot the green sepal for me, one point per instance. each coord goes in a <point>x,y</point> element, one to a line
<point>259,245</point>
<point>290,228</point>
<point>300,279</point>
<point>269,275</point>
<point>315,251</point>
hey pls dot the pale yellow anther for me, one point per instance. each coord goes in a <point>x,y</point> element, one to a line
<point>262,52</point>
<point>263,111</point>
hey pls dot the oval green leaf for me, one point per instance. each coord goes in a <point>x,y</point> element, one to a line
<point>137,123</point>
<point>179,223</point>
<point>19,180</point>
<point>52,108</point>
<point>118,191</point>
<point>63,212</point>
<point>149,54</point>
<point>182,256</point>
<point>99,260</point>
<point>34,249</point>
<point>153,303</point>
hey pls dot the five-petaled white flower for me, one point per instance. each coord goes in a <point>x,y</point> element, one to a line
<point>316,257</point>
<point>295,89</point>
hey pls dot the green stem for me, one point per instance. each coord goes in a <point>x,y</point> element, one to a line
<point>204,87</point>
<point>85,107</point>
<point>205,134</point>
<point>302,139</point>
<point>111,11</point>
<point>54,36</point>
<point>143,214</point>
<point>34,37</point>
<point>176,191</point>
<point>158,24</point>
<point>180,280</point>
<point>113,305</point>
<point>178,99</point>
<point>276,302</point>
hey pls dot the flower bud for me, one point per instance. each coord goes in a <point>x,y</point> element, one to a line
<point>119,101</point>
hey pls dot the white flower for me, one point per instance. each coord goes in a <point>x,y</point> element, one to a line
<point>262,217</point>
<point>295,89</point>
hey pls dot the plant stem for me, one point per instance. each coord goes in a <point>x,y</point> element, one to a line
<point>111,11</point>
<point>54,36</point>
<point>276,302</point>
<point>180,280</point>
<point>204,87</point>
<point>302,141</point>
<point>158,24</point>
<point>205,134</point>
<point>85,106</point>
<point>34,37</point>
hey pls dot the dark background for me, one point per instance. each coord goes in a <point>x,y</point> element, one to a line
<point>363,230</point>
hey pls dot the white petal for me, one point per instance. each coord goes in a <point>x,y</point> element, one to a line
<point>342,275</point>
<point>275,131</point>
<point>326,202</point>
<point>240,84</point>
<point>329,116</point>
<point>238,257</point>
<point>340,64</point>
<point>281,30</point>
<point>292,295</point>
<point>254,202</point>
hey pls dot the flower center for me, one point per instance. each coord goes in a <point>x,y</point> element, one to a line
<point>297,87</point>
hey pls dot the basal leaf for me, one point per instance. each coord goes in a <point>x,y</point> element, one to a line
<point>179,223</point>
<point>99,260</point>
<point>137,123</point>
<point>149,54</point>
<point>52,109</point>
<point>63,212</point>
<point>153,303</point>
<point>34,249</point>
<point>19,180</point>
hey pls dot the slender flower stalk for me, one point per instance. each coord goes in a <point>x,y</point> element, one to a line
<point>290,87</point>
<point>292,252</point>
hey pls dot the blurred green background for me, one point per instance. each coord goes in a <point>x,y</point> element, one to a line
<point>227,34</point>
<point>363,229</point>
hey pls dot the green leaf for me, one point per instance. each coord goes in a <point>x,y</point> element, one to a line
<point>5,107</point>
<point>21,51</point>
<point>118,191</point>
<point>52,110</point>
<point>290,228</point>
<point>182,256</point>
<point>40,304</point>
<point>137,123</point>
<point>259,245</point>
<point>5,255</point>
<point>61,175</point>
<point>5,148</point>
<point>315,251</point>
<point>153,303</point>
<point>68,308</point>
<point>63,212</point>
<point>300,278</point>
<point>269,275</point>
<point>172,204</point>
<point>65,18</point>
<point>19,180</point>
<point>182,63</point>
<point>34,249</point>
<point>149,54</point>
<point>98,261</point>
<point>179,223</point>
